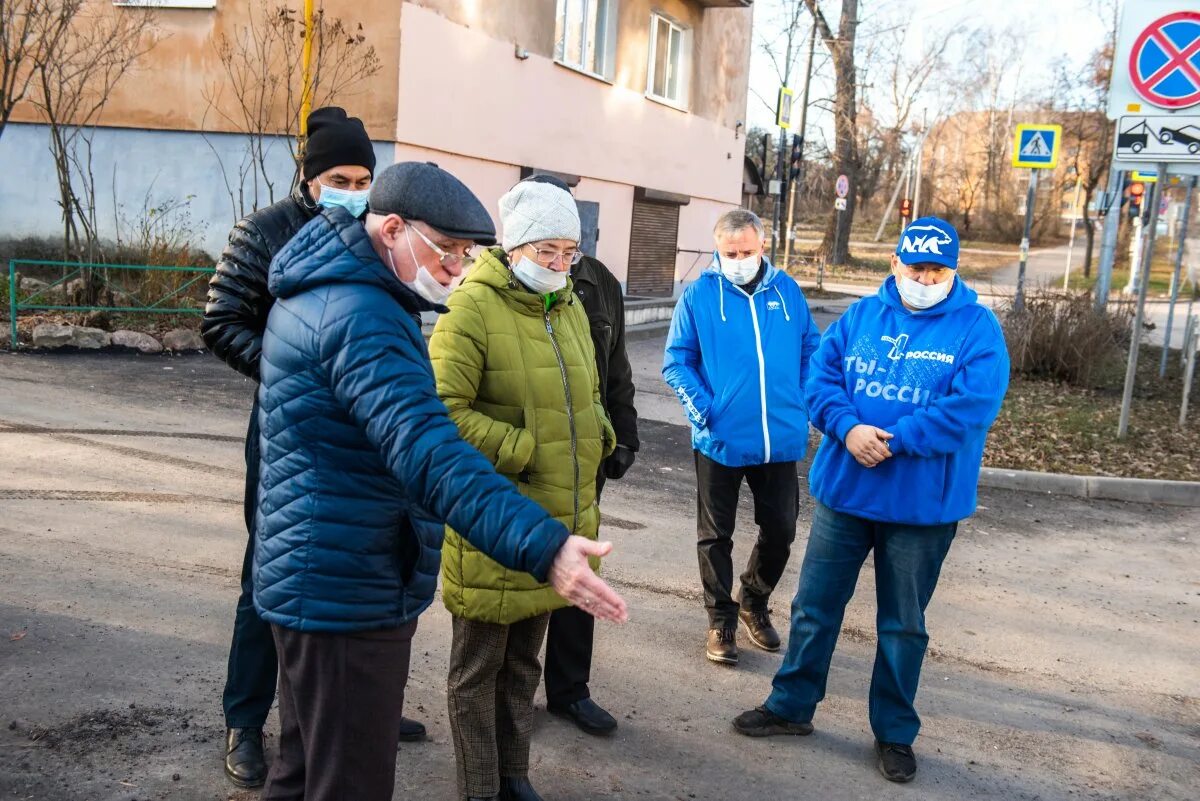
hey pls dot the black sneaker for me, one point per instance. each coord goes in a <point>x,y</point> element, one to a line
<point>762,722</point>
<point>758,626</point>
<point>896,762</point>
<point>722,646</point>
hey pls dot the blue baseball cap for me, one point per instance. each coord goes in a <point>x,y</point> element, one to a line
<point>929,240</point>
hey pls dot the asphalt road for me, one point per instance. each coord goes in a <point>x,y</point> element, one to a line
<point>1064,658</point>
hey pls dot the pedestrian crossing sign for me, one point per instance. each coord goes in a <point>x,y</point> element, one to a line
<point>1037,146</point>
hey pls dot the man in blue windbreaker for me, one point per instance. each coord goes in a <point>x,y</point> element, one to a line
<point>904,386</point>
<point>361,470</point>
<point>737,356</point>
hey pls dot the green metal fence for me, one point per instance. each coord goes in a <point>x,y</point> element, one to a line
<point>131,301</point>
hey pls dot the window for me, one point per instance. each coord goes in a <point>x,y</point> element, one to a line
<point>585,36</point>
<point>669,57</point>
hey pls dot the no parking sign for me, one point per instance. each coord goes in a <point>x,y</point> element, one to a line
<point>1155,92</point>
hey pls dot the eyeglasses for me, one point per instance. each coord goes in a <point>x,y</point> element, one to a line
<point>447,259</point>
<point>547,256</point>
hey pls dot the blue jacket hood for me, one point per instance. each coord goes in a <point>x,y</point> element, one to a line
<point>334,248</point>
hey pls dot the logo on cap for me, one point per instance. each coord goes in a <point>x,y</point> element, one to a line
<point>931,242</point>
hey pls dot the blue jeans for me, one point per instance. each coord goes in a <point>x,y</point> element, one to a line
<point>908,560</point>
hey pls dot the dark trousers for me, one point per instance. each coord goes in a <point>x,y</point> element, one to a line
<point>250,676</point>
<point>340,701</point>
<point>494,674</point>
<point>776,505</point>
<point>908,560</point>
<point>569,640</point>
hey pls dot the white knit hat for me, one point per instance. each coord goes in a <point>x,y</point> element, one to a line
<point>533,211</point>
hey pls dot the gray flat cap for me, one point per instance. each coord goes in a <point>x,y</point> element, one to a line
<point>424,191</point>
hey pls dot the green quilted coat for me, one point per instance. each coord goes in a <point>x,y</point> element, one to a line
<point>521,384</point>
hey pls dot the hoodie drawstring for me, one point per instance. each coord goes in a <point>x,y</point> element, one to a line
<point>721,293</point>
<point>784,302</point>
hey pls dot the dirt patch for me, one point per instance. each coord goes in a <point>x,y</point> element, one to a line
<point>134,731</point>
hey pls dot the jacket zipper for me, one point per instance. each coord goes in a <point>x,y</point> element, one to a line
<point>562,368</point>
<point>762,374</point>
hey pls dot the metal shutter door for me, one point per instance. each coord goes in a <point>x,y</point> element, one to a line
<point>652,246</point>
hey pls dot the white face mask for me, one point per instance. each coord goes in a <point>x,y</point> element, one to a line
<point>424,285</point>
<point>920,296</point>
<point>539,279</point>
<point>739,271</point>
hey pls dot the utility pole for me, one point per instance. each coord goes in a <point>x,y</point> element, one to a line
<point>916,204</point>
<point>797,172</point>
<point>1187,215</point>
<point>1019,301</point>
<point>1139,313</point>
<point>1108,242</point>
<point>1074,220</point>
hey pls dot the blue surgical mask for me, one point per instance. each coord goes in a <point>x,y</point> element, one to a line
<point>352,201</point>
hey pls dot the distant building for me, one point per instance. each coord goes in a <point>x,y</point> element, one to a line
<point>636,103</point>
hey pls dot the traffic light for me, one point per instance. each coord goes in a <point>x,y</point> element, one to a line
<point>1136,192</point>
<point>797,160</point>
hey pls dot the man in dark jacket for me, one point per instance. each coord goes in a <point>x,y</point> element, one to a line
<point>361,469</point>
<point>337,168</point>
<point>572,631</point>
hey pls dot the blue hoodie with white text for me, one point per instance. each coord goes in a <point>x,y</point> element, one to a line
<point>934,379</point>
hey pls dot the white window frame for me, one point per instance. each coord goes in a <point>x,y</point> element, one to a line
<point>683,67</point>
<point>606,22</point>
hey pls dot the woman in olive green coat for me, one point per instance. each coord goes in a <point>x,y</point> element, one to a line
<point>515,365</point>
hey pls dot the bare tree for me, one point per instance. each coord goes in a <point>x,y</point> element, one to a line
<point>31,32</point>
<point>71,87</point>
<point>836,242</point>
<point>260,93</point>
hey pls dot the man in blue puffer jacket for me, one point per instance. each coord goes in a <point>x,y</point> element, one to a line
<point>737,356</point>
<point>361,470</point>
<point>904,386</point>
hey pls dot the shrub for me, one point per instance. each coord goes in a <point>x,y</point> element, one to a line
<point>1062,337</point>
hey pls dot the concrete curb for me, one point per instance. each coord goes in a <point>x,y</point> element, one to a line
<point>1135,490</point>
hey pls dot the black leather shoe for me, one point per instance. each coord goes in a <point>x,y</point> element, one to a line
<point>896,762</point>
<point>517,790</point>
<point>587,715</point>
<point>411,731</point>
<point>722,646</point>
<point>489,798</point>
<point>762,722</point>
<point>244,762</point>
<point>758,626</point>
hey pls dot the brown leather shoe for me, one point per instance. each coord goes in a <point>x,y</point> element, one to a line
<point>722,646</point>
<point>758,626</point>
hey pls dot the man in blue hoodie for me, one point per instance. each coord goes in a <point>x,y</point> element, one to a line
<point>904,387</point>
<point>737,356</point>
<point>361,470</point>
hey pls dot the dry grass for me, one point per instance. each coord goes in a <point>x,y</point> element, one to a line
<point>1059,428</point>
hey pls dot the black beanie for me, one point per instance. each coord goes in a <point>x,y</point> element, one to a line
<point>335,139</point>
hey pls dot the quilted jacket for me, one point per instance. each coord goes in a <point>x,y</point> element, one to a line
<point>238,301</point>
<point>517,371</point>
<point>361,466</point>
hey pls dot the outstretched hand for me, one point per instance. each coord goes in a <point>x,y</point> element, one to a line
<point>573,579</point>
<point>868,444</point>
